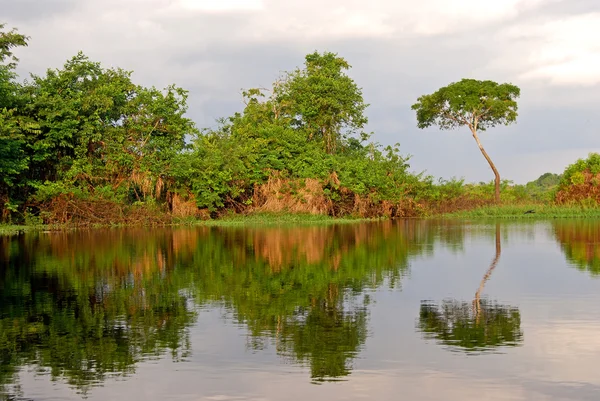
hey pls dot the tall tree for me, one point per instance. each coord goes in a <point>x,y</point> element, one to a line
<point>476,104</point>
<point>323,100</point>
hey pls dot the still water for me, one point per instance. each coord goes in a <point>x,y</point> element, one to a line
<point>406,310</point>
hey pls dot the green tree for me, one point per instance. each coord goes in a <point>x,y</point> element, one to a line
<point>476,104</point>
<point>13,127</point>
<point>300,130</point>
<point>103,136</point>
<point>8,41</point>
<point>322,100</point>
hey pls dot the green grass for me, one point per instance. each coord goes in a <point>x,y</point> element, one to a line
<point>9,229</point>
<point>518,212</point>
<point>232,220</point>
<point>283,219</point>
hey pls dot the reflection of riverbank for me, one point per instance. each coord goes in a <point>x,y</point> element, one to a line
<point>580,242</point>
<point>90,304</point>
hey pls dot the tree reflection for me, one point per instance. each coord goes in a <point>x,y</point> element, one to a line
<point>580,241</point>
<point>87,305</point>
<point>301,289</point>
<point>476,326</point>
<point>83,317</point>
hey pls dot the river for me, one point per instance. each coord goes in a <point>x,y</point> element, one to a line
<point>412,310</point>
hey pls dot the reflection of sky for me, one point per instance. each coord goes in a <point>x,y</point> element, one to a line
<point>557,360</point>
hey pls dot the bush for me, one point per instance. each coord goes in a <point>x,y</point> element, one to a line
<point>579,182</point>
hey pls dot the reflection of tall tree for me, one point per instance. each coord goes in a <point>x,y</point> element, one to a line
<point>476,326</point>
<point>486,277</point>
<point>580,241</point>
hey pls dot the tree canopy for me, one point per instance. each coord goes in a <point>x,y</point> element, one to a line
<point>322,100</point>
<point>476,104</point>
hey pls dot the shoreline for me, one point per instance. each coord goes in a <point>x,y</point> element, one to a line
<point>503,212</point>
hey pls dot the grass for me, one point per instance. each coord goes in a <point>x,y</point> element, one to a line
<point>10,229</point>
<point>279,219</point>
<point>541,211</point>
<point>232,220</point>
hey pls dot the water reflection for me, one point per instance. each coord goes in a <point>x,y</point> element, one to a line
<point>477,326</point>
<point>580,241</point>
<point>84,311</point>
<point>87,305</point>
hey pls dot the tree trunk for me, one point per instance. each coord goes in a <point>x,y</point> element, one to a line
<point>487,157</point>
<point>477,301</point>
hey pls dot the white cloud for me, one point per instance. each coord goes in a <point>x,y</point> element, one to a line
<point>301,20</point>
<point>222,5</point>
<point>568,51</point>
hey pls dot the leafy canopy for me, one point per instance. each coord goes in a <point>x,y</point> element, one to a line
<point>323,100</point>
<point>8,41</point>
<point>476,104</point>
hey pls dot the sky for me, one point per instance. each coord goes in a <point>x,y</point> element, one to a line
<point>398,49</point>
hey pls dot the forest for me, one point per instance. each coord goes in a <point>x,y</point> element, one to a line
<point>85,145</point>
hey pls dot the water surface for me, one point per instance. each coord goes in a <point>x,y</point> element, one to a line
<point>416,310</point>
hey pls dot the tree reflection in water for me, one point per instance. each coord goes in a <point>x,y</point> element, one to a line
<point>88,305</point>
<point>474,327</point>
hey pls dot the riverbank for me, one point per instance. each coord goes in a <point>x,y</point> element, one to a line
<point>268,219</point>
<point>231,220</point>
<point>530,211</point>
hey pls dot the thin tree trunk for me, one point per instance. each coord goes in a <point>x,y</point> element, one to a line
<point>487,157</point>
<point>477,301</point>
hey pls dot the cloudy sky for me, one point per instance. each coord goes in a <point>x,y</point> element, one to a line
<point>399,49</point>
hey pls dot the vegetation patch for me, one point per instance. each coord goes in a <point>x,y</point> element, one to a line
<point>528,211</point>
<point>279,219</point>
<point>84,145</point>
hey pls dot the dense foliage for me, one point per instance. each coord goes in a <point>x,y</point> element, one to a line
<point>580,183</point>
<point>84,144</point>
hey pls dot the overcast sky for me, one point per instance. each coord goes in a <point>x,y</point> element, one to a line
<point>399,49</point>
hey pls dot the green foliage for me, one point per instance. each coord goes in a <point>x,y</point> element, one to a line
<point>85,131</point>
<point>275,137</point>
<point>543,188</point>
<point>8,41</point>
<point>99,129</point>
<point>476,104</point>
<point>540,211</point>
<point>13,127</point>
<point>573,174</point>
<point>322,101</point>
